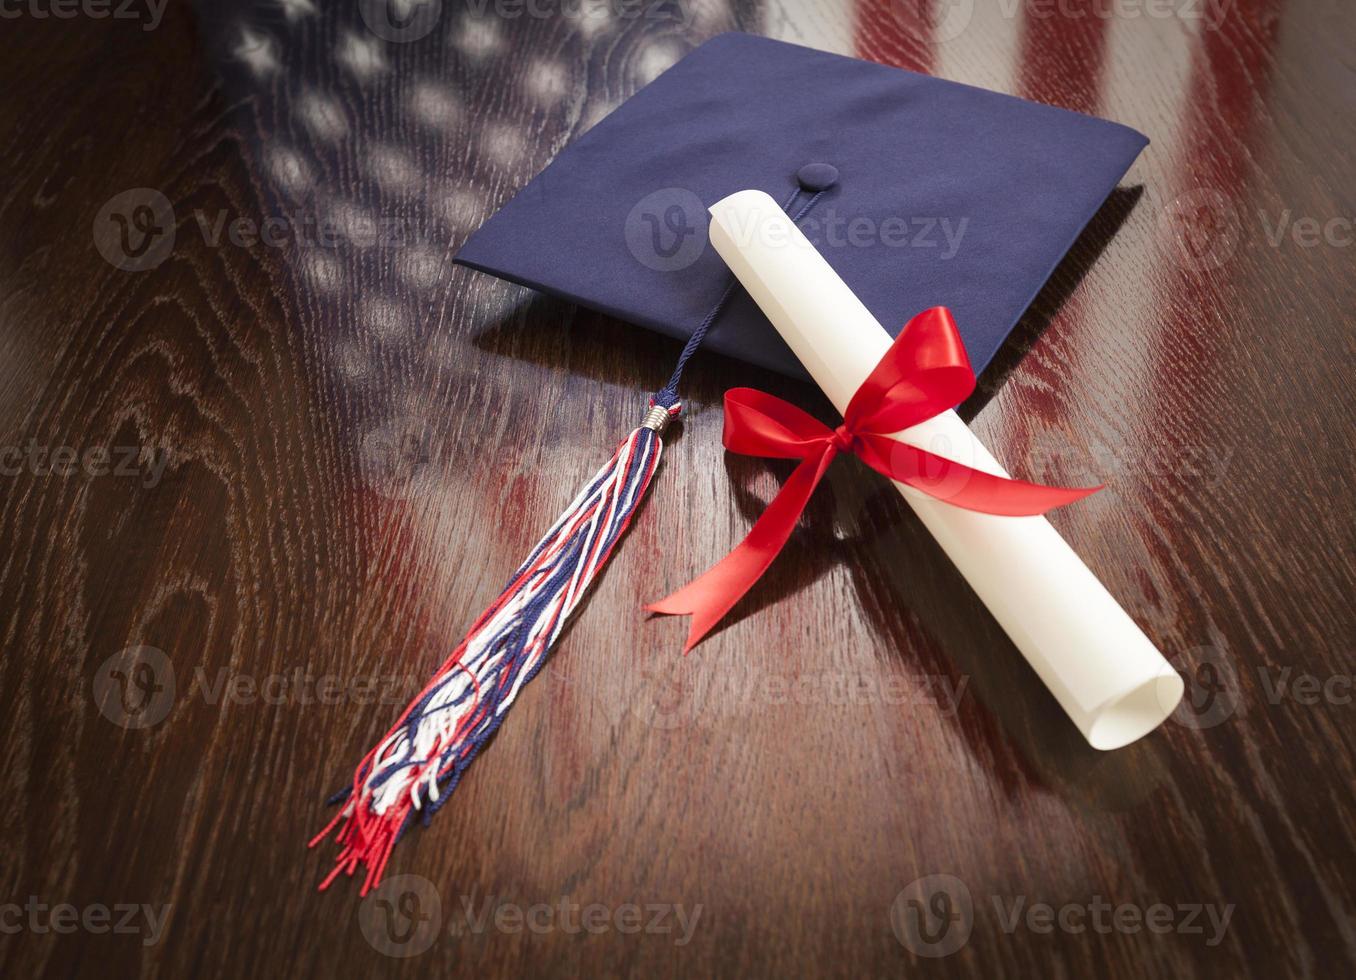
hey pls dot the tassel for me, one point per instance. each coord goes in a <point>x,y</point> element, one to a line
<point>420,761</point>
<point>415,768</point>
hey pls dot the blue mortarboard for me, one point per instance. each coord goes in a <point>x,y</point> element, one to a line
<point>941,194</point>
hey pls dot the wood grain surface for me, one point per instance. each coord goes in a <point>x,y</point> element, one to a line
<point>254,490</point>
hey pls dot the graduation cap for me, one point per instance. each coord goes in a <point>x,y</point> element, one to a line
<point>919,192</point>
<point>934,193</point>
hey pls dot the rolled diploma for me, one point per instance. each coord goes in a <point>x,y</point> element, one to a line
<point>1106,674</point>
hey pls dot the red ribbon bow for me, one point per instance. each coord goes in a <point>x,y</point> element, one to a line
<point>924,373</point>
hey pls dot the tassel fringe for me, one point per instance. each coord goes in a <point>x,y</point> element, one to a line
<point>416,766</point>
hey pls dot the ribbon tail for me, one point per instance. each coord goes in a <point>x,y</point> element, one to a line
<point>713,594</point>
<point>964,486</point>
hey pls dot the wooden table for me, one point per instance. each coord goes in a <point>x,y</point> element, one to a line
<point>255,489</point>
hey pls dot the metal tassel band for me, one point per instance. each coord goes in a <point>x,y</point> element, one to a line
<point>657,419</point>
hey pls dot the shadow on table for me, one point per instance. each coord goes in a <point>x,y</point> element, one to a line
<point>1087,249</point>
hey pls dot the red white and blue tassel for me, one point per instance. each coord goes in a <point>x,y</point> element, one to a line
<point>416,766</point>
<point>414,769</point>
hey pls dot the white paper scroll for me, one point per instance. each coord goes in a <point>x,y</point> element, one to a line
<point>1103,670</point>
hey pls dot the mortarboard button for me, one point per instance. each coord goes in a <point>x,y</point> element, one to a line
<point>817,176</point>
